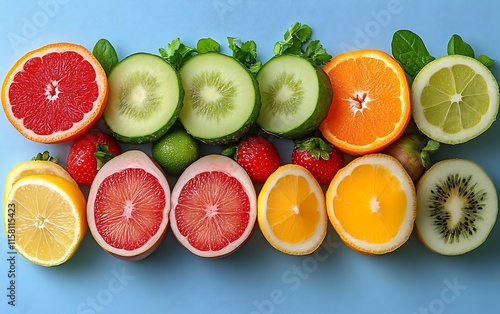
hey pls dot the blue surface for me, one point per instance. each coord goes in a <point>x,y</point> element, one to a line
<point>257,278</point>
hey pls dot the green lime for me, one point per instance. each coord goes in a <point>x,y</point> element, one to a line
<point>454,99</point>
<point>175,150</point>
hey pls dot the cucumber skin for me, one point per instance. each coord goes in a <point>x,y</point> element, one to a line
<point>325,97</point>
<point>235,136</point>
<point>156,135</point>
<point>324,101</point>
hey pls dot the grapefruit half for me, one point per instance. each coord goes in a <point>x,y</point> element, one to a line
<point>214,206</point>
<point>55,93</point>
<point>128,206</point>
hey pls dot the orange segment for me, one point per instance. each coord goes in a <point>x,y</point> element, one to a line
<point>371,204</point>
<point>291,210</point>
<point>55,93</point>
<point>371,101</point>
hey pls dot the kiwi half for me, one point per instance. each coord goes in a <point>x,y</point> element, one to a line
<point>457,207</point>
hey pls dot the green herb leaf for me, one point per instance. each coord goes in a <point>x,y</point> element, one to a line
<point>295,37</point>
<point>410,51</point>
<point>106,54</point>
<point>487,61</point>
<point>456,46</point>
<point>207,45</point>
<point>317,54</point>
<point>246,53</point>
<point>176,53</point>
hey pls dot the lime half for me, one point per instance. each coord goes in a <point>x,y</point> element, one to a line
<point>454,99</point>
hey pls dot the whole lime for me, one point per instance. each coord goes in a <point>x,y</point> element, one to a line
<point>175,150</point>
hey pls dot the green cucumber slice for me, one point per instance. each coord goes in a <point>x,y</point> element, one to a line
<point>295,96</point>
<point>145,98</point>
<point>221,98</point>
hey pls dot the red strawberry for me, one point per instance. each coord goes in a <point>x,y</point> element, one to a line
<point>321,158</point>
<point>257,156</point>
<point>88,154</point>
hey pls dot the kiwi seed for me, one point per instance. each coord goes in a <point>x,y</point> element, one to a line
<point>456,189</point>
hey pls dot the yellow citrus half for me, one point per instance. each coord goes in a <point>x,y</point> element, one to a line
<point>291,210</point>
<point>371,203</point>
<point>46,214</point>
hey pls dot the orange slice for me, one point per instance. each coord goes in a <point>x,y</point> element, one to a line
<point>371,203</point>
<point>46,214</point>
<point>55,93</point>
<point>291,210</point>
<point>371,101</point>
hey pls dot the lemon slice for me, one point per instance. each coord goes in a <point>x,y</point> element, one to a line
<point>454,99</point>
<point>46,214</point>
<point>32,167</point>
<point>291,211</point>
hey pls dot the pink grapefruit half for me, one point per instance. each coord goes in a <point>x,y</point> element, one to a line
<point>214,207</point>
<point>55,93</point>
<point>128,206</point>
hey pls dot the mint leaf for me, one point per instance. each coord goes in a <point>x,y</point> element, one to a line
<point>106,54</point>
<point>456,46</point>
<point>317,54</point>
<point>207,45</point>
<point>487,61</point>
<point>246,53</point>
<point>176,53</point>
<point>410,51</point>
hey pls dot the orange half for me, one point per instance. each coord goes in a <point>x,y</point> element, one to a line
<point>55,93</point>
<point>371,203</point>
<point>371,101</point>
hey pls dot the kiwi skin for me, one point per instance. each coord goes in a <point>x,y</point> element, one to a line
<point>419,232</point>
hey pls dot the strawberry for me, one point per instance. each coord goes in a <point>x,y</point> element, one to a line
<point>321,158</point>
<point>257,155</point>
<point>88,154</point>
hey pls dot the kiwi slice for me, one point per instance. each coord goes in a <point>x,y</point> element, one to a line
<point>221,100</point>
<point>457,206</point>
<point>145,98</point>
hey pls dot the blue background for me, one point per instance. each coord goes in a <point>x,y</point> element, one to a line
<point>257,278</point>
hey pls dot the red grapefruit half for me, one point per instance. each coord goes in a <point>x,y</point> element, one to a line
<point>214,206</point>
<point>55,93</point>
<point>128,206</point>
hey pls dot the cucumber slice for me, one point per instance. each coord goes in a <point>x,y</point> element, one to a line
<point>145,98</point>
<point>295,95</point>
<point>221,98</point>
